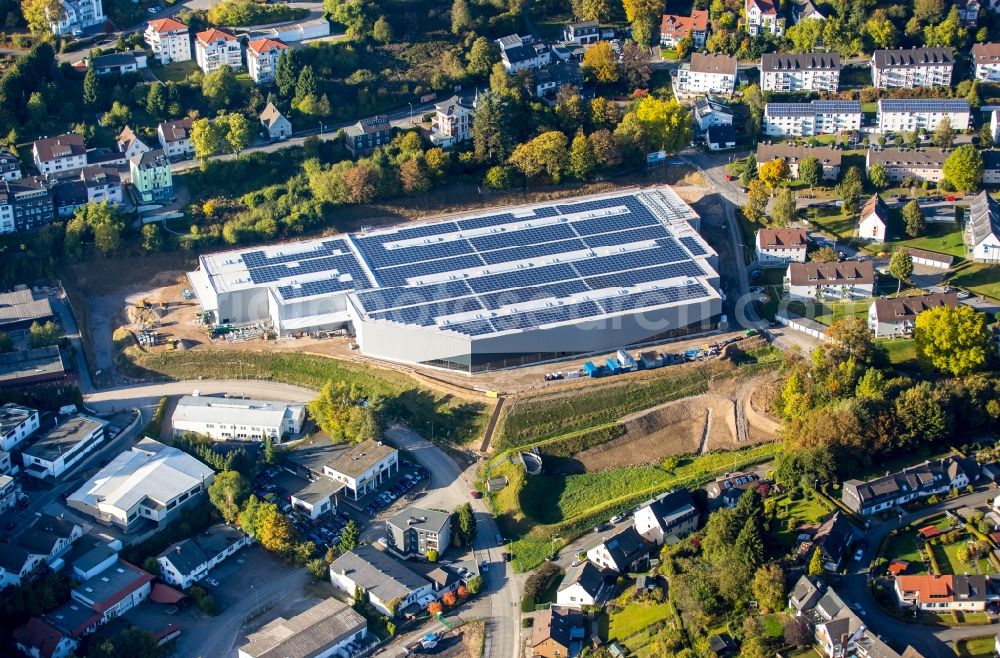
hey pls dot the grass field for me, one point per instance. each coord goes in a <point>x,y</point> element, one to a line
<point>459,419</point>
<point>904,547</point>
<point>174,72</point>
<point>829,312</point>
<point>832,220</point>
<point>979,278</point>
<point>977,647</point>
<point>902,351</point>
<point>635,617</point>
<point>947,558</point>
<point>940,238</point>
<point>555,498</point>
<point>806,510</point>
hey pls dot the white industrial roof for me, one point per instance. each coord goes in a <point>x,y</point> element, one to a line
<point>234,411</point>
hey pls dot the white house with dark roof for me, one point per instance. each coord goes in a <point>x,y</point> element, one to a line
<point>710,111</point>
<point>762,18</point>
<point>524,56</point>
<point>780,246</point>
<point>582,32</point>
<point>847,280</point>
<point>45,542</point>
<point>667,518</point>
<point>813,71</point>
<point>329,629</point>
<point>103,184</point>
<point>130,144</point>
<point>982,229</point>
<point>866,498</point>
<point>832,539</point>
<point>175,138</point>
<point>910,68</point>
<point>584,584</point>
<point>986,59</point>
<point>895,317</point>
<point>10,165</point>
<point>874,219</point>
<point>368,134</point>
<point>64,154</point>
<point>389,584</point>
<point>191,560</point>
<point>621,552</point>
<point>707,74</point>
<point>17,423</point>
<point>414,531</point>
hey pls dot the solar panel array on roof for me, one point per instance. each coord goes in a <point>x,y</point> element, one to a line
<point>923,105</point>
<point>693,246</point>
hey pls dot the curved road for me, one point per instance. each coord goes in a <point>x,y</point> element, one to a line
<point>449,487</point>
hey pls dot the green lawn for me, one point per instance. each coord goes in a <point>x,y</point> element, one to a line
<point>978,278</point>
<point>832,220</point>
<point>947,559</point>
<point>942,238</point>
<point>806,511</point>
<point>554,498</point>
<point>635,617</point>
<point>902,351</point>
<point>904,547</point>
<point>979,647</point>
<point>829,312</point>
<point>175,72</point>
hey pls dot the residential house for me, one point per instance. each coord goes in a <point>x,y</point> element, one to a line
<point>513,41</point>
<point>262,59</point>
<point>665,519</point>
<point>991,168</point>
<point>169,40</point>
<point>16,564</point>
<point>17,422</point>
<point>98,600</point>
<point>452,121</point>
<point>175,139</point>
<point>720,138</point>
<point>152,179</point>
<point>909,114</point>
<point>968,12</point>
<point>129,143</point>
<point>982,229</point>
<point>921,481</point>
<point>6,463</point>
<point>528,55</point>
<point>710,111</point>
<point>780,246</point>
<point>10,166</point>
<point>847,280</point>
<point>900,164</point>
<point>389,584</point>
<point>8,492</point>
<point>874,219</point>
<point>362,138</point>
<point>892,318</point>
<point>733,483</point>
<point>38,639</point>
<point>54,156</point>
<point>813,71</point>
<point>583,32</point>
<point>762,18</point>
<point>986,58</point>
<point>102,183</point>
<point>549,80</point>
<point>117,63</point>
<point>584,584</point>
<point>315,497</point>
<point>805,593</point>
<point>45,542</point>
<point>63,446</point>
<point>558,632</point>
<point>361,468</point>
<point>144,486</point>
<point>806,10</point>
<point>968,593</point>
<point>829,158</point>
<point>237,419</point>
<point>621,552</point>
<point>329,628</point>
<point>415,531</point>
<point>189,561</point>
<point>832,539</point>
<point>277,126</point>
<point>707,74</point>
<point>674,29</point>
<point>912,68</point>
<point>215,48</point>
<point>811,119</point>
<point>67,196</point>
<point>75,16</point>
<point>25,204</point>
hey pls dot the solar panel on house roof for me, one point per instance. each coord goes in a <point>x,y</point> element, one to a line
<point>693,246</point>
<point>923,105</point>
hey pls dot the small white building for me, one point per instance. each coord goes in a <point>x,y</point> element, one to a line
<point>389,584</point>
<point>527,55</point>
<point>674,29</point>
<point>215,48</point>
<point>8,493</point>
<point>720,138</point>
<point>175,139</point>
<point>986,58</point>
<point>236,419</point>
<point>780,246</point>
<point>10,166</point>
<point>874,220</point>
<point>63,446</point>
<point>982,229</point>
<point>811,119</point>
<point>913,67</point>
<point>848,280</point>
<point>582,32</point>
<point>55,156</point>
<point>620,552</point>
<point>796,72</point>
<point>707,74</point>
<point>363,467</point>
<point>75,17</point>
<point>710,112</point>
<point>667,518</point>
<point>129,144</point>
<point>169,39</point>
<point>189,561</point>
<point>329,629</point>
<point>896,115</point>
<point>316,497</point>
<point>103,184</point>
<point>762,18</point>
<point>583,585</point>
<point>17,423</point>
<point>117,63</point>
<point>262,59</point>
<point>892,318</point>
<point>274,122</point>
<point>452,121</point>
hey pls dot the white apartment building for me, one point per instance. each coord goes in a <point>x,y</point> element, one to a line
<point>900,164</point>
<point>59,155</point>
<point>234,419</point>
<point>986,58</point>
<point>452,121</point>
<point>362,467</point>
<point>262,59</point>
<point>804,71</point>
<point>895,115</point>
<point>76,16</point>
<point>189,561</point>
<point>847,280</point>
<point>175,138</point>
<point>780,246</point>
<point>982,230</point>
<point>707,74</point>
<point>63,446</point>
<point>829,158</point>
<point>810,119</point>
<point>709,112</point>
<point>103,184</point>
<point>17,423</point>
<point>762,18</point>
<point>215,48</point>
<point>527,55</point>
<point>912,68</point>
<point>150,482</point>
<point>169,39</point>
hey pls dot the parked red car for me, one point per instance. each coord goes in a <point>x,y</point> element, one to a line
<point>476,494</point>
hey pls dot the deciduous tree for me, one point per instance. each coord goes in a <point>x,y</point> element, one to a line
<point>581,157</point>
<point>228,492</point>
<point>952,340</point>
<point>964,168</point>
<point>635,65</point>
<point>601,64</point>
<point>901,266</point>
<point>606,152</point>
<point>913,219</point>
<point>944,134</point>
<point>757,196</point>
<point>382,30</point>
<point>207,137</point>
<point>769,587</point>
<point>784,210</point>
<point>774,172</point>
<point>239,133</point>
<point>644,15</point>
<point>878,177</point>
<point>666,124</point>
<point>546,153</point>
<point>38,13</point>
<point>811,171</point>
<point>461,17</point>
<point>483,54</point>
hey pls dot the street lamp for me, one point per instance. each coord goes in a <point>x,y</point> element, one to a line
<point>320,127</point>
<point>411,113</point>
<point>257,596</point>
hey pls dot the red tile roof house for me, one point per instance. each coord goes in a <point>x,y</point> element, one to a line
<point>99,599</point>
<point>40,640</point>
<point>945,592</point>
<point>674,29</point>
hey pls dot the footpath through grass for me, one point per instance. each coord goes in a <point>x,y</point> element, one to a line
<point>460,419</point>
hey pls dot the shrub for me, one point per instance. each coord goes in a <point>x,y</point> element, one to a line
<point>526,622</point>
